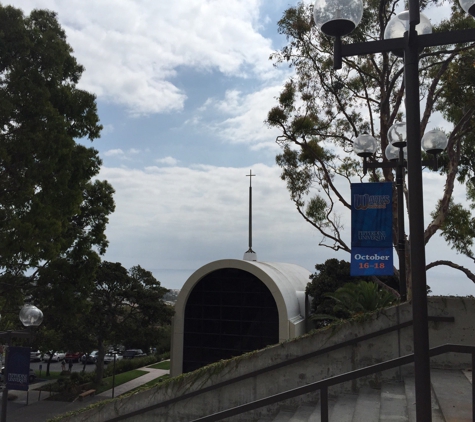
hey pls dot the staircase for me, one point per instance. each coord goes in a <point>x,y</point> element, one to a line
<point>393,401</point>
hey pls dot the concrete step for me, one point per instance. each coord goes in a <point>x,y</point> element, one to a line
<point>410,389</point>
<point>343,408</point>
<point>285,415</point>
<point>367,405</point>
<point>454,394</point>
<point>305,413</point>
<point>393,403</point>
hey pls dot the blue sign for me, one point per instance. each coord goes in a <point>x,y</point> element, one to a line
<point>371,229</point>
<point>17,368</point>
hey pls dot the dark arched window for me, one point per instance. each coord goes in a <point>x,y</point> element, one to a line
<point>229,312</point>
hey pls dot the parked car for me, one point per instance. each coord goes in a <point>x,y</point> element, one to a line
<point>109,357</point>
<point>31,378</point>
<point>73,356</point>
<point>35,356</point>
<point>133,353</point>
<point>57,356</point>
<point>91,358</point>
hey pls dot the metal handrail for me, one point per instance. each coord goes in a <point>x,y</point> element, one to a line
<point>328,382</point>
<point>285,363</point>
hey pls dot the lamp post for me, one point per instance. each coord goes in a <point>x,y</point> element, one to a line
<point>113,374</point>
<point>365,146</point>
<point>407,35</point>
<point>30,316</point>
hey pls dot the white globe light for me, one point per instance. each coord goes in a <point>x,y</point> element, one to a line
<point>365,145</point>
<point>392,153</point>
<point>434,141</point>
<point>30,315</point>
<point>337,17</point>
<point>468,6</point>
<point>397,134</point>
<point>399,24</point>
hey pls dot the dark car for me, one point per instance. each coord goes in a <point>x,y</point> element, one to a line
<point>91,358</point>
<point>133,353</point>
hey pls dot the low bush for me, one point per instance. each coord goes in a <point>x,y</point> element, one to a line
<point>125,365</point>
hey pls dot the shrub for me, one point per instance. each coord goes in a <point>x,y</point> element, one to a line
<point>125,365</point>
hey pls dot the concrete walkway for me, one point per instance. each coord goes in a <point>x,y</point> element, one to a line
<point>137,382</point>
<point>32,406</point>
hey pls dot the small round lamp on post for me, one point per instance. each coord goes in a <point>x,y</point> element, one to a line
<point>30,316</point>
<point>397,135</point>
<point>392,153</point>
<point>365,146</point>
<point>468,6</point>
<point>434,142</point>
<point>337,18</point>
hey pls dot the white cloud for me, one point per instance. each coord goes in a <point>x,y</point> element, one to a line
<point>114,153</point>
<point>241,117</point>
<point>169,161</point>
<point>131,49</point>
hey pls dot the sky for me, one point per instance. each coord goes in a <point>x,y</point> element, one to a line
<point>183,89</point>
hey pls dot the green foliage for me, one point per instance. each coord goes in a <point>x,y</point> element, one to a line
<point>53,212</point>
<point>327,280</point>
<point>125,365</point>
<point>458,229</point>
<point>361,297</point>
<point>126,307</point>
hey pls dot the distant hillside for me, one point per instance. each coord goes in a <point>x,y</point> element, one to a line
<point>171,296</point>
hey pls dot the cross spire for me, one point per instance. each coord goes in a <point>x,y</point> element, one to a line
<point>250,255</point>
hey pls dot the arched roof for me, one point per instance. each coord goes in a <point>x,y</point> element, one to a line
<point>286,282</point>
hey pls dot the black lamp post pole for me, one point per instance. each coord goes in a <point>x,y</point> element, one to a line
<point>8,336</point>
<point>416,220</point>
<point>401,242</point>
<point>113,377</point>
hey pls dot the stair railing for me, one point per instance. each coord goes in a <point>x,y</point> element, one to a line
<point>338,379</point>
<point>283,364</point>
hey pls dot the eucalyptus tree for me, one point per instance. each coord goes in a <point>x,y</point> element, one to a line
<point>320,112</point>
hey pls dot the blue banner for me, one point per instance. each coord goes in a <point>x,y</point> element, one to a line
<point>371,229</point>
<point>17,368</point>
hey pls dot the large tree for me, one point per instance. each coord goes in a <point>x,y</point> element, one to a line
<point>51,205</point>
<point>320,112</point>
<point>127,308</point>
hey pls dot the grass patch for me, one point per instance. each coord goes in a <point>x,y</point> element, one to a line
<point>52,375</point>
<point>161,365</point>
<point>119,380</point>
<point>151,383</point>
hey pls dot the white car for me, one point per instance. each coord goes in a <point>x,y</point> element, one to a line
<point>57,357</point>
<point>35,356</point>
<point>109,357</point>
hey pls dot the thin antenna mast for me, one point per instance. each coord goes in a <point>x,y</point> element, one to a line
<point>250,255</point>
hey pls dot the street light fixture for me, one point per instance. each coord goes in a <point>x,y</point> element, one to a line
<point>30,316</point>
<point>408,45</point>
